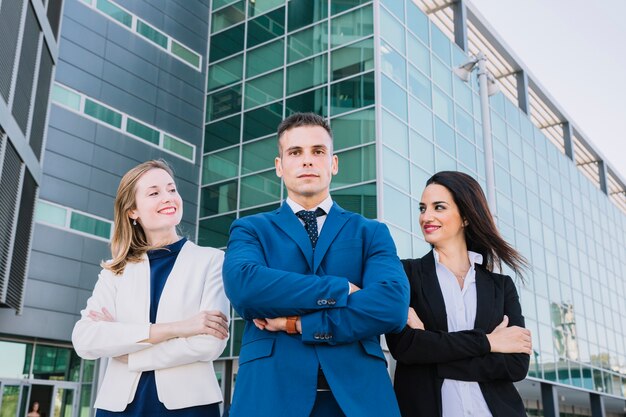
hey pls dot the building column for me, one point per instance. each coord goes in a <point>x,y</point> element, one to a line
<point>522,91</point>
<point>597,405</point>
<point>602,177</point>
<point>459,11</point>
<point>568,140</point>
<point>550,400</point>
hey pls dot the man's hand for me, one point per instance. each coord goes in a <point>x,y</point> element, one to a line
<point>413,321</point>
<point>278,324</point>
<point>354,288</point>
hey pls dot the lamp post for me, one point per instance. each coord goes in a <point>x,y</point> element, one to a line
<point>487,87</point>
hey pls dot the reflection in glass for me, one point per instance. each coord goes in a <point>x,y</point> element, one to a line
<point>259,189</point>
<point>259,155</point>
<point>352,93</point>
<point>226,43</point>
<point>265,58</point>
<point>307,42</point>
<point>360,199</point>
<point>223,103</point>
<point>306,74</point>
<point>220,166</point>
<point>214,231</point>
<point>221,134</point>
<point>315,101</point>
<point>266,27</point>
<point>15,359</point>
<point>353,129</point>
<point>355,166</point>
<point>393,64</point>
<point>352,59</point>
<point>351,26</point>
<point>305,12</point>
<point>228,16</point>
<point>218,198</point>
<point>264,89</point>
<point>394,98</point>
<point>392,30</point>
<point>262,121</point>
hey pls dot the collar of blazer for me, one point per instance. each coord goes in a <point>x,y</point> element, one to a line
<point>485,294</point>
<point>287,221</point>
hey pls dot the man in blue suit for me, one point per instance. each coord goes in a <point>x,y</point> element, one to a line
<point>316,285</point>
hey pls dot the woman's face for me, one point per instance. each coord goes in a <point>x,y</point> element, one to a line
<point>440,218</point>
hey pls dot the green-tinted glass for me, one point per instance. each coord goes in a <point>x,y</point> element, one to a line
<point>466,153</point>
<point>223,103</point>
<point>396,7</point>
<point>418,54</point>
<point>442,76</point>
<point>422,154</point>
<point>352,93</point>
<point>421,118</point>
<point>237,337</point>
<point>220,166</point>
<point>220,3</point>
<point>259,155</point>
<point>356,165</point>
<point>114,11</point>
<point>352,59</point>
<point>225,72</point>
<point>51,214</point>
<point>259,189</point>
<point>89,367</point>
<point>142,131</point>
<point>351,26</point>
<point>19,365</point>
<point>265,58</point>
<point>257,210</point>
<point>88,224</point>
<point>228,16</point>
<point>258,7</point>
<point>66,97</point>
<point>392,30</point>
<point>440,45</point>
<point>338,6</point>
<point>52,362</point>
<point>10,400</point>
<point>266,27</point>
<point>360,199</point>
<point>85,401</point>
<point>178,147</point>
<point>185,54</point>
<point>397,207</point>
<point>214,232</point>
<point>226,43</point>
<point>312,101</point>
<point>395,134</point>
<point>221,134</point>
<point>308,42</point>
<point>218,198</point>
<point>264,89</point>
<point>419,85</point>
<point>399,175</point>
<point>305,12</point>
<point>354,129</point>
<point>306,74</point>
<point>102,113</point>
<point>394,98</point>
<point>393,64</point>
<point>152,34</point>
<point>225,353</point>
<point>417,21</point>
<point>442,105</point>
<point>464,123</point>
<point>262,122</point>
<point>444,136</point>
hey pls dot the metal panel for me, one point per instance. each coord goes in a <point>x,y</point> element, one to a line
<point>40,110</point>
<point>10,14</point>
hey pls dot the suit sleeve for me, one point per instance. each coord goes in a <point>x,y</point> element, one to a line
<point>99,339</point>
<point>493,366</point>
<point>257,291</point>
<point>200,348</point>
<point>380,306</point>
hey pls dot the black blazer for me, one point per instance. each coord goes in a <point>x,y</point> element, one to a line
<point>426,357</point>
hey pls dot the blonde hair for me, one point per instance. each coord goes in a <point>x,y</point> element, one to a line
<point>129,241</point>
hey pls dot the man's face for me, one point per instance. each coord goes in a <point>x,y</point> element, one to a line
<point>306,163</point>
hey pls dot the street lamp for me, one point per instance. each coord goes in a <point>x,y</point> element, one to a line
<point>487,87</point>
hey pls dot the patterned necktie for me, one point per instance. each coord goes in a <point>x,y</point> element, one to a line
<point>310,222</point>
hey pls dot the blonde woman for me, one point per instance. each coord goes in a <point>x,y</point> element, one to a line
<point>158,309</point>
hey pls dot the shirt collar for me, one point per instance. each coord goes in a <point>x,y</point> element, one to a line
<point>325,205</point>
<point>474,257</point>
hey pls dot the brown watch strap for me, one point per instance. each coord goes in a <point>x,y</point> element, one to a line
<point>291,325</point>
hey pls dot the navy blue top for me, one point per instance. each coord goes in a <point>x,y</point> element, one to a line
<point>146,402</point>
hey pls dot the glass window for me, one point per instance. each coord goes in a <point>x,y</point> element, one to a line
<point>220,166</point>
<point>394,98</point>
<point>397,207</point>
<point>116,12</point>
<point>258,7</point>
<point>66,97</point>
<point>226,43</point>
<point>20,354</point>
<point>221,134</point>
<point>238,326</point>
<point>142,131</point>
<point>50,213</point>
<point>214,232</point>
<point>259,209</point>
<point>305,12</point>
<point>88,224</point>
<point>354,129</point>
<point>466,153</point>
<point>395,171</point>
<point>352,93</point>
<point>443,161</point>
<point>422,152</point>
<point>419,178</point>
<point>89,366</point>
<point>219,3</point>
<point>266,27</point>
<point>419,85</point>
<point>259,155</point>
<point>396,7</point>
<point>56,363</point>
<point>152,34</point>
<point>306,74</point>
<point>352,59</point>
<point>442,105</point>
<point>360,199</point>
<point>178,147</point>
<point>265,58</point>
<point>262,121</point>
<point>355,166</point>
<point>417,21</point>
<point>351,26</point>
<point>418,54</point>
<point>464,123</point>
<point>392,30</point>
<point>462,93</point>
<point>85,401</point>
<point>338,6</point>
<point>395,134</point>
<point>308,42</point>
<point>313,101</point>
<point>225,72</point>
<point>421,118</point>
<point>185,54</point>
<point>223,103</point>
<point>228,16</point>
<point>441,45</point>
<point>264,89</point>
<point>218,198</point>
<point>393,64</point>
<point>259,189</point>
<point>102,113</point>
<point>444,136</point>
<point>442,76</point>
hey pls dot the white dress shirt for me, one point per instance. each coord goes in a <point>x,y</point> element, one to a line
<point>325,205</point>
<point>460,398</point>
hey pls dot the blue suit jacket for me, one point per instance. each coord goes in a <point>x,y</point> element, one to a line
<point>271,270</point>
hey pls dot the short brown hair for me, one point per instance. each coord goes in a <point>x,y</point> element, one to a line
<point>303,119</point>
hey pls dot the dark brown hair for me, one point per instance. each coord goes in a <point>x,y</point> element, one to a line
<point>302,119</point>
<point>481,234</point>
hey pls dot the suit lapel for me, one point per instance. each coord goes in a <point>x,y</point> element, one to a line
<point>485,296</point>
<point>287,221</point>
<point>432,292</point>
<point>335,220</point>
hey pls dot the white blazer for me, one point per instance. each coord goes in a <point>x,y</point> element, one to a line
<point>183,366</point>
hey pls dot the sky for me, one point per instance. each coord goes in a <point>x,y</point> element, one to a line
<point>576,50</point>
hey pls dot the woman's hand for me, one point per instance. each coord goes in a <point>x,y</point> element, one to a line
<point>103,315</point>
<point>413,321</point>
<point>512,339</point>
<point>212,323</point>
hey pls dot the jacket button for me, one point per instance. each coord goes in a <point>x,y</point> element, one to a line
<point>319,302</point>
<point>331,301</point>
<point>316,336</point>
<point>323,302</point>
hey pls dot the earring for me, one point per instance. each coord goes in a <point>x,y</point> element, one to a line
<point>134,222</point>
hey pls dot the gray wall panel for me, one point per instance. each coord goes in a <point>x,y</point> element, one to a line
<point>49,296</point>
<point>81,58</point>
<point>71,123</point>
<point>64,193</point>
<point>39,322</point>
<point>70,146</point>
<point>47,267</point>
<point>86,36</point>
<point>67,169</point>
